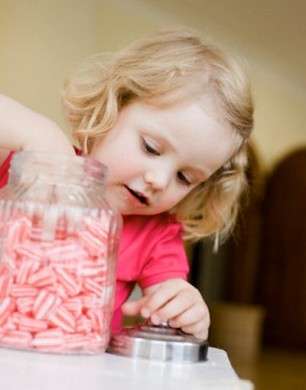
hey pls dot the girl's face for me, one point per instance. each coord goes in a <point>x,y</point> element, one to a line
<point>156,156</point>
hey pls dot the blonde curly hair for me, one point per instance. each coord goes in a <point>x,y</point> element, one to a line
<point>167,66</point>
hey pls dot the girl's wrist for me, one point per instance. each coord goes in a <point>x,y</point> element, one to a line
<point>50,138</point>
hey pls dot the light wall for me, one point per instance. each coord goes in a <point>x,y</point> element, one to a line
<point>42,41</point>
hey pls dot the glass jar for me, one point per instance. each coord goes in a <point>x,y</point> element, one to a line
<point>58,247</point>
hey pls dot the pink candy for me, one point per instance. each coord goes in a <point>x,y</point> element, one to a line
<point>49,338</point>
<point>53,295</point>
<point>71,284</point>
<point>43,277</point>
<point>17,339</point>
<point>7,307</point>
<point>5,281</point>
<point>43,304</point>
<point>63,318</point>
<point>31,324</point>
<point>25,304</point>
<point>26,269</point>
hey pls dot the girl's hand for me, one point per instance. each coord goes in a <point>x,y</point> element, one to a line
<point>175,301</point>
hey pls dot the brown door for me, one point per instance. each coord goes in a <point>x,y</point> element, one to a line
<point>281,284</point>
<point>243,247</point>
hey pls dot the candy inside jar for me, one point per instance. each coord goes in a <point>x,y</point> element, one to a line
<point>58,244</point>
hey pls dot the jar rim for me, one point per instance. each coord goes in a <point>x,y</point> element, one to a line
<point>87,164</point>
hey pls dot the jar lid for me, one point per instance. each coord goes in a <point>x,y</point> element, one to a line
<point>158,343</point>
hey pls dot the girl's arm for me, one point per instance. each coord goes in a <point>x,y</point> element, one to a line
<point>23,129</point>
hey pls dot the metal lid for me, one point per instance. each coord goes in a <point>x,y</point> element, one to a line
<point>158,343</point>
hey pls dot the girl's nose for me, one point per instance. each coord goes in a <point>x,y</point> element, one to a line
<point>158,179</point>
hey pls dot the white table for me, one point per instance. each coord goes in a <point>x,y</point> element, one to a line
<point>36,371</point>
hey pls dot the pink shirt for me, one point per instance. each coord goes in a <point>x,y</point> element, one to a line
<point>151,250</point>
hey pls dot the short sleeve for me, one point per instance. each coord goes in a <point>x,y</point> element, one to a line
<point>4,170</point>
<point>167,258</point>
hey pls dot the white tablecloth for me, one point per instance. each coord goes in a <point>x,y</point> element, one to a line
<point>35,371</point>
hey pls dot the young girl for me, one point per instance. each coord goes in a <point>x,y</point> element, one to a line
<point>170,117</point>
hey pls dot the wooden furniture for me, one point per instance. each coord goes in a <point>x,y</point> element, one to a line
<point>281,284</point>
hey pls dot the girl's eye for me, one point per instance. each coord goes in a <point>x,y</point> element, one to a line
<point>183,178</point>
<point>150,149</point>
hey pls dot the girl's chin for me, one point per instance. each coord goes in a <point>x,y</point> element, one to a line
<point>134,212</point>
<point>145,212</point>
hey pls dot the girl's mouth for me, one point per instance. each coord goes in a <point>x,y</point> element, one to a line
<point>138,195</point>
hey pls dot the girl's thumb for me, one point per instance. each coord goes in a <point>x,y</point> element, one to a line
<point>132,308</point>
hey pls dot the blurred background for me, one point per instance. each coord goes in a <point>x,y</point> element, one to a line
<point>254,285</point>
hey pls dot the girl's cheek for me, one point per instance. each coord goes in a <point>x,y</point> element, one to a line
<point>175,198</point>
<point>181,194</point>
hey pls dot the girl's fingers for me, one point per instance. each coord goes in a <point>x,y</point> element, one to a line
<point>132,308</point>
<point>160,297</point>
<point>180,303</point>
<point>193,315</point>
<point>148,303</point>
<point>197,329</point>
